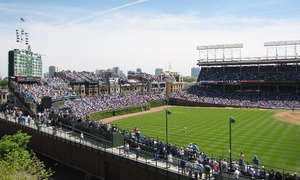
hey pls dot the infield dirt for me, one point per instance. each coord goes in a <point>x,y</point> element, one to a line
<point>292,117</point>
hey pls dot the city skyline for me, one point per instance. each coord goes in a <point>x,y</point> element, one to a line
<point>146,34</point>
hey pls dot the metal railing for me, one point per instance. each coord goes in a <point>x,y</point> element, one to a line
<point>142,156</point>
<point>89,140</point>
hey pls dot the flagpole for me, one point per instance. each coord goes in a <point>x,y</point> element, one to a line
<point>22,32</point>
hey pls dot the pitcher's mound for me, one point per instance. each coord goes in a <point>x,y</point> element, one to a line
<point>290,117</point>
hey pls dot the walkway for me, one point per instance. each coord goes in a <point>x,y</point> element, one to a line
<point>100,144</point>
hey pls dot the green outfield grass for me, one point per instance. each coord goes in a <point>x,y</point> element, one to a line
<point>255,132</point>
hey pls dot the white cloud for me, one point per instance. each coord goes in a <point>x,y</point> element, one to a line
<point>101,13</point>
<point>146,41</point>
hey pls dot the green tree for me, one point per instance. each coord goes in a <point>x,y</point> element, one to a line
<point>189,79</point>
<point>3,83</point>
<point>16,162</point>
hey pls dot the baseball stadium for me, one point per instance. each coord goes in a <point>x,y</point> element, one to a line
<point>242,114</point>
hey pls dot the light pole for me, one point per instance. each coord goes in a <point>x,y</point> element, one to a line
<point>231,120</point>
<point>168,112</point>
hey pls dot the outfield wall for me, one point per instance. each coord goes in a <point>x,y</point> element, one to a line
<point>180,102</point>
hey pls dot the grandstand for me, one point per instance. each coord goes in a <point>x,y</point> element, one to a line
<point>251,85</point>
<point>269,82</point>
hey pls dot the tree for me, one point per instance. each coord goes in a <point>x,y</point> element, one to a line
<point>16,162</point>
<point>189,79</point>
<point>3,83</point>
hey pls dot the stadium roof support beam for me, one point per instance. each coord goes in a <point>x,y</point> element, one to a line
<point>279,44</point>
<point>212,52</point>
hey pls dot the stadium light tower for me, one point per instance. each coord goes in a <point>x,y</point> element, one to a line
<point>168,112</point>
<point>231,121</point>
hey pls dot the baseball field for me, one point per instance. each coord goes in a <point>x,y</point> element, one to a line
<point>272,135</point>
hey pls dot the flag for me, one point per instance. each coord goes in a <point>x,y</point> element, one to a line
<point>26,38</point>
<point>17,35</point>
<point>22,20</point>
<point>22,35</point>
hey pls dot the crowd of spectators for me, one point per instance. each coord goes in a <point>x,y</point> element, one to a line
<point>197,164</point>
<point>51,88</point>
<point>79,109</point>
<point>85,76</point>
<point>265,73</point>
<point>150,77</point>
<point>87,105</point>
<point>144,77</point>
<point>89,76</point>
<point>247,99</point>
<point>71,76</point>
<point>56,82</point>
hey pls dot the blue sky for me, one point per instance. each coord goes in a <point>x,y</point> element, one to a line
<point>85,35</point>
